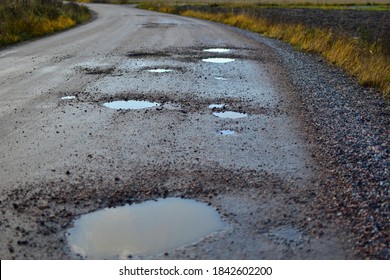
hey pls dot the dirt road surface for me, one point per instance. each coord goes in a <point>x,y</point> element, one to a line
<point>61,158</point>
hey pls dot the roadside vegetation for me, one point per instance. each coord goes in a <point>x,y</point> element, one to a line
<point>364,56</point>
<point>24,19</point>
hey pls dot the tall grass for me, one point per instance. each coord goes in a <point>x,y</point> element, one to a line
<point>365,61</point>
<point>25,19</point>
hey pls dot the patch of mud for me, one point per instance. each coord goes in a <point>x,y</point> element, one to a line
<point>98,70</point>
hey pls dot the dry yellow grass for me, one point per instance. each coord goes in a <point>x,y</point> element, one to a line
<point>21,20</point>
<point>366,62</point>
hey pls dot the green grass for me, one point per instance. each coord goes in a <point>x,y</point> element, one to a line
<point>25,19</point>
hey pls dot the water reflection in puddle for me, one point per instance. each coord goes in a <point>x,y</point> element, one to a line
<point>218,60</point>
<point>217,50</point>
<point>144,229</point>
<point>160,70</point>
<point>130,104</point>
<point>227,132</point>
<point>70,97</point>
<point>230,115</point>
<point>216,106</point>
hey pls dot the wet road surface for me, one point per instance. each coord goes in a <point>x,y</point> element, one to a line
<point>65,153</point>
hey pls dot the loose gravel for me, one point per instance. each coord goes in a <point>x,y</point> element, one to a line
<point>350,127</point>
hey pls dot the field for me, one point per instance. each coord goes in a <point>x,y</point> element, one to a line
<point>24,19</point>
<point>354,37</point>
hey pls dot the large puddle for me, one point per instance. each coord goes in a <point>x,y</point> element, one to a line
<point>130,104</point>
<point>142,230</point>
<point>218,60</point>
<point>230,115</point>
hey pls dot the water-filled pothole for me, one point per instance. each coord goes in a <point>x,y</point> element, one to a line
<point>218,60</point>
<point>142,230</point>
<point>130,104</point>
<point>160,70</point>
<point>227,132</point>
<point>70,97</point>
<point>217,50</point>
<point>220,78</point>
<point>216,106</point>
<point>230,115</point>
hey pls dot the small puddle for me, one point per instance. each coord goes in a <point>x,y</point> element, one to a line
<point>130,104</point>
<point>218,60</point>
<point>70,97</point>
<point>217,50</point>
<point>227,132</point>
<point>142,230</point>
<point>160,70</point>
<point>229,115</point>
<point>220,78</point>
<point>216,106</point>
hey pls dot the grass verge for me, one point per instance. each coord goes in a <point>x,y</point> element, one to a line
<point>366,61</point>
<point>24,19</point>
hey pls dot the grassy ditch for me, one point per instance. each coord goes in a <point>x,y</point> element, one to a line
<point>24,19</point>
<point>364,57</point>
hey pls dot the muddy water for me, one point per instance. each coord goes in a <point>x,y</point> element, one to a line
<point>144,229</point>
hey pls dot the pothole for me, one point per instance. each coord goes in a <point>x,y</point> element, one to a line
<point>130,104</point>
<point>227,132</point>
<point>216,106</point>
<point>146,54</point>
<point>218,60</point>
<point>142,230</point>
<point>160,70</point>
<point>230,115</point>
<point>220,78</point>
<point>70,97</point>
<point>217,50</point>
<point>99,71</point>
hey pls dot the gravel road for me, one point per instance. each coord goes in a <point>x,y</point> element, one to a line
<point>270,181</point>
